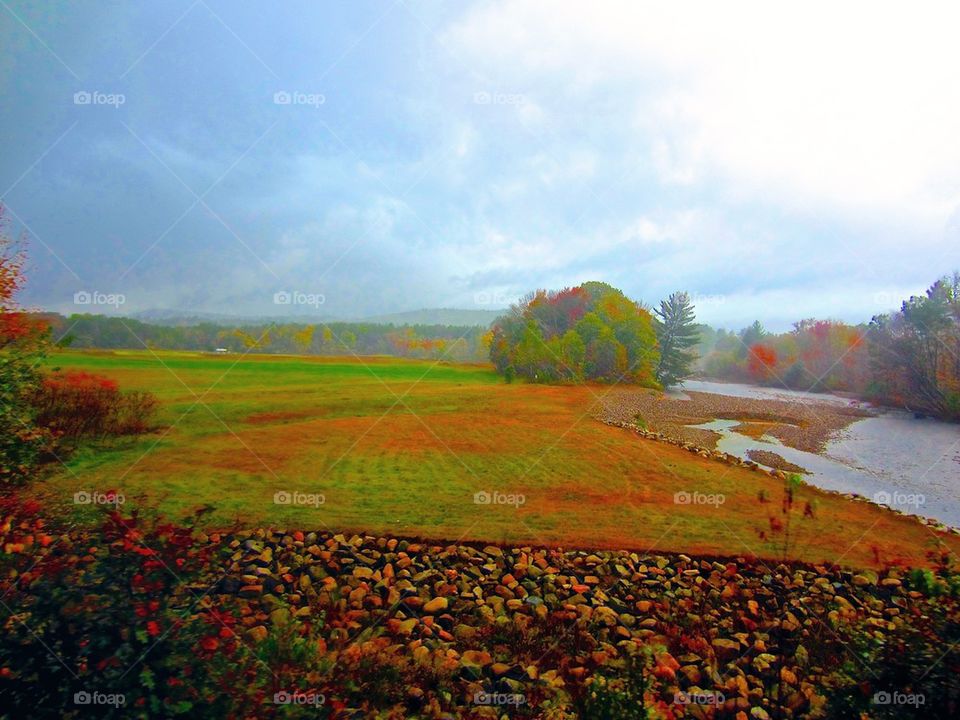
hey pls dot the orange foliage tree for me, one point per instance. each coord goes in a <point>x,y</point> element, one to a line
<point>761,361</point>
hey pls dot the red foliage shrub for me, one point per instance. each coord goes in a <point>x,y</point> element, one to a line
<point>78,404</point>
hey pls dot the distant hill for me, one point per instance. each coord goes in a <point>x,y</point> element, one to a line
<point>438,316</point>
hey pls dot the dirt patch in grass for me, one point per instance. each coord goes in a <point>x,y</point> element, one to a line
<point>801,425</point>
<point>268,418</point>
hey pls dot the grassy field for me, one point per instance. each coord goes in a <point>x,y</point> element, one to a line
<point>403,446</point>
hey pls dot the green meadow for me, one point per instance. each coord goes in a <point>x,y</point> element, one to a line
<point>417,447</point>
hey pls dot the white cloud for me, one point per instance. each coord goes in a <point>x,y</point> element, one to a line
<point>676,228</point>
<point>822,106</point>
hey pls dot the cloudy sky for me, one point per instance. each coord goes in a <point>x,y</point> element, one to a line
<point>776,163</point>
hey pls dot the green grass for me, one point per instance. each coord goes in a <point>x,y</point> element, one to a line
<point>402,446</point>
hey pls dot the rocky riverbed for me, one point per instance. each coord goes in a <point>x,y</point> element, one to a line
<point>458,630</point>
<point>801,425</point>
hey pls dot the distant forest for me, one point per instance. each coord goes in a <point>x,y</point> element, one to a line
<point>451,342</point>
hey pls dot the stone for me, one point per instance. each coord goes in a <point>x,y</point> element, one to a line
<point>726,649</point>
<point>436,605</point>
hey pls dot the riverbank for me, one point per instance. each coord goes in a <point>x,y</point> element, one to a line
<point>801,425</point>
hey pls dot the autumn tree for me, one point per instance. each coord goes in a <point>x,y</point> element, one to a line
<point>251,341</point>
<point>304,338</point>
<point>590,332</point>
<point>676,335</point>
<point>915,352</point>
<point>23,344</point>
<point>761,361</point>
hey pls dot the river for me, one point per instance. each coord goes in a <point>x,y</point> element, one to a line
<point>912,464</point>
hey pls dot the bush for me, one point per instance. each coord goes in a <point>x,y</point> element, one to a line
<point>77,405</point>
<point>123,611</point>
<point>21,439</point>
<point>623,696</point>
<point>911,667</point>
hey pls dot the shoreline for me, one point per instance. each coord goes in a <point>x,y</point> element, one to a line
<point>798,425</point>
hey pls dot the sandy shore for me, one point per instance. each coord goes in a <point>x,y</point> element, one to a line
<point>804,426</point>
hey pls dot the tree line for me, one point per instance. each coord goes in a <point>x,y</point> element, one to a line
<point>449,342</point>
<point>908,358</point>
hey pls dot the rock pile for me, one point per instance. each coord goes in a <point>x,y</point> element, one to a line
<point>537,627</point>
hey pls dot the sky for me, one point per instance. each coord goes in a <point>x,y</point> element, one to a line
<point>353,159</point>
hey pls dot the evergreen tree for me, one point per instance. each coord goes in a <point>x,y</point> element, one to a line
<point>749,337</point>
<point>676,333</point>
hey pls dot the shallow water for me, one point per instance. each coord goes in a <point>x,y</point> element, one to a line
<point>912,464</point>
<point>766,393</point>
